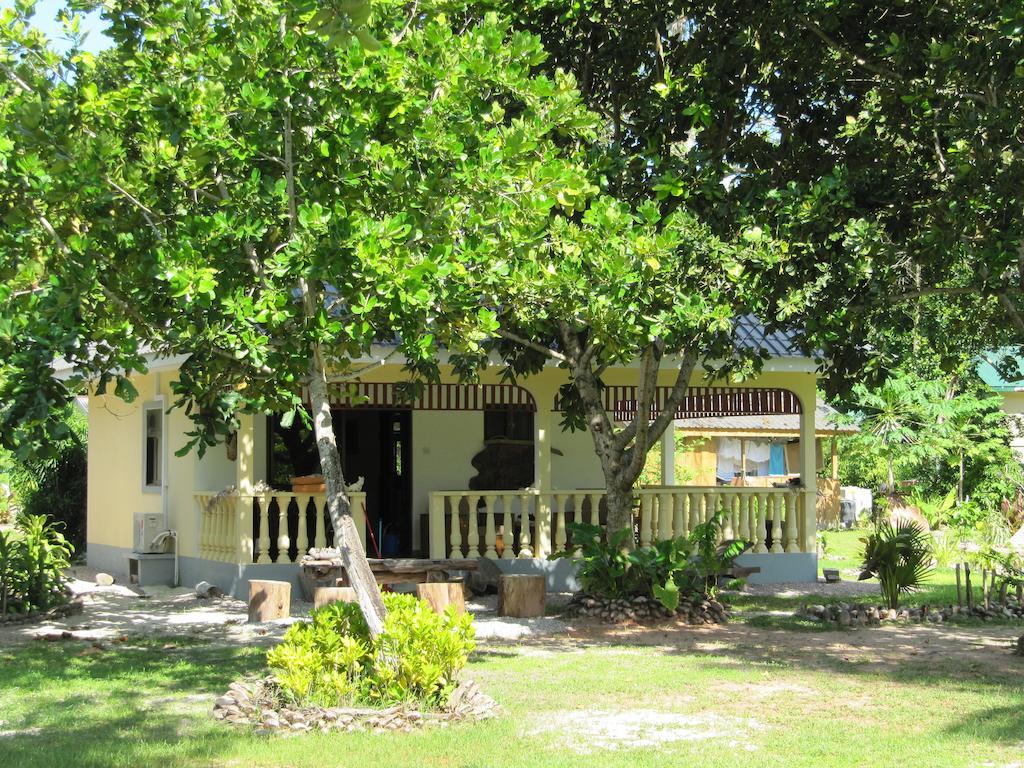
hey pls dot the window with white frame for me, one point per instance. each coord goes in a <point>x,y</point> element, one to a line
<point>153,445</point>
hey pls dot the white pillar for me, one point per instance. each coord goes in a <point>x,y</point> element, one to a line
<point>245,455</point>
<point>668,455</point>
<point>809,463</point>
<point>543,428</point>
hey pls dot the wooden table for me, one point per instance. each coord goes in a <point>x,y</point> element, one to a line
<point>323,568</point>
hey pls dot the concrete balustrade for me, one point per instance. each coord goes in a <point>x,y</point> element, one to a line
<point>236,528</point>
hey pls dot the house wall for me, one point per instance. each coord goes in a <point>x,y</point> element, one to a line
<point>578,466</point>
<point>443,445</point>
<point>115,474</point>
<point>1013,405</point>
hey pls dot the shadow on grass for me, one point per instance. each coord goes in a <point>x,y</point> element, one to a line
<point>125,706</point>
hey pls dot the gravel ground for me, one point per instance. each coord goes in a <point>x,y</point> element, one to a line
<point>820,589</point>
<point>119,611</point>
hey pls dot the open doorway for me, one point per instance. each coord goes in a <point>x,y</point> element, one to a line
<point>375,444</point>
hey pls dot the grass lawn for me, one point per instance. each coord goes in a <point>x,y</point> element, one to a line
<point>733,696</point>
<point>844,552</point>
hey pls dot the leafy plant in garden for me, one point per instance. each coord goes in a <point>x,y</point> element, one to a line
<point>900,556</point>
<point>661,566</point>
<point>666,569</point>
<point>936,510</point>
<point>33,557</point>
<point>604,562</point>
<point>711,556</point>
<point>55,485</point>
<point>334,660</point>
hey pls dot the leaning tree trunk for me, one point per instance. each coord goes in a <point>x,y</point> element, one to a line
<point>346,535</point>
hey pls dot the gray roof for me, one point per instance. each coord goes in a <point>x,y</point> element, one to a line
<point>752,334</point>
<point>826,421</point>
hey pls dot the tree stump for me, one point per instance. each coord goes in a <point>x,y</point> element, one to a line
<point>269,600</point>
<point>441,594</point>
<point>521,596</point>
<point>326,595</point>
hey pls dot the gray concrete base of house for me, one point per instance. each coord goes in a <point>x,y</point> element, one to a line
<point>796,567</point>
<point>560,574</point>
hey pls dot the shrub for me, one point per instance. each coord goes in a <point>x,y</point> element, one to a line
<point>900,556</point>
<point>604,562</point>
<point>33,556</point>
<point>332,660</point>
<point>55,485</point>
<point>665,570</point>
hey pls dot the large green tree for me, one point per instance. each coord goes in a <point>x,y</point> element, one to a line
<point>266,188</point>
<point>882,142</point>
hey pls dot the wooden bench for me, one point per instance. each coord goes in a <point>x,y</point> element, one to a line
<point>323,568</point>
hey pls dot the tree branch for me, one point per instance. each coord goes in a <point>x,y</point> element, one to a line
<point>535,346</point>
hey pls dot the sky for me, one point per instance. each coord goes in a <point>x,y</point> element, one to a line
<point>46,20</point>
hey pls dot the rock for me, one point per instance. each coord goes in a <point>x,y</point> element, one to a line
<point>484,580</point>
<point>104,579</point>
<point>845,619</point>
<point>205,590</point>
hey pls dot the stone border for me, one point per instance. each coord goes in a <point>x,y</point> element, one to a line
<point>693,609</point>
<point>256,704</point>
<point>860,615</point>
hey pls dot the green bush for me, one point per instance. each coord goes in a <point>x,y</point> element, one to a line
<point>55,485</point>
<point>33,556</point>
<point>607,567</point>
<point>900,556</point>
<point>333,661</point>
<point>604,566</point>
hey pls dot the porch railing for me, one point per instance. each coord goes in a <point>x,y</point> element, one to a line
<point>272,527</point>
<point>533,524</point>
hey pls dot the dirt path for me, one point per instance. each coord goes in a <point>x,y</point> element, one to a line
<point>116,611</point>
<point>956,650</point>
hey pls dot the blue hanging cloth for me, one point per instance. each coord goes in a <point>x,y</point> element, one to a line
<point>777,459</point>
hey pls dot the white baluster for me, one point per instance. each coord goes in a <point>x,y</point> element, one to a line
<point>678,514</point>
<point>791,515</point>
<point>319,531</point>
<point>646,519</point>
<point>302,534</point>
<point>525,539</point>
<point>203,523</point>
<point>263,546</point>
<point>455,537</point>
<point>728,524</point>
<point>664,516</point>
<point>560,536</point>
<point>490,536</point>
<point>761,524</point>
<point>777,524</point>
<point>595,508</point>
<point>282,530</point>
<point>508,537</point>
<point>743,499</point>
<point>474,531</point>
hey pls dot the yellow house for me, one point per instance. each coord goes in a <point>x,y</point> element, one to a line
<point>249,510</point>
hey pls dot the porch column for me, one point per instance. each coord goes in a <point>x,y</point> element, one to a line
<point>245,456</point>
<point>543,429</point>
<point>245,483</point>
<point>668,455</point>
<point>809,463</point>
